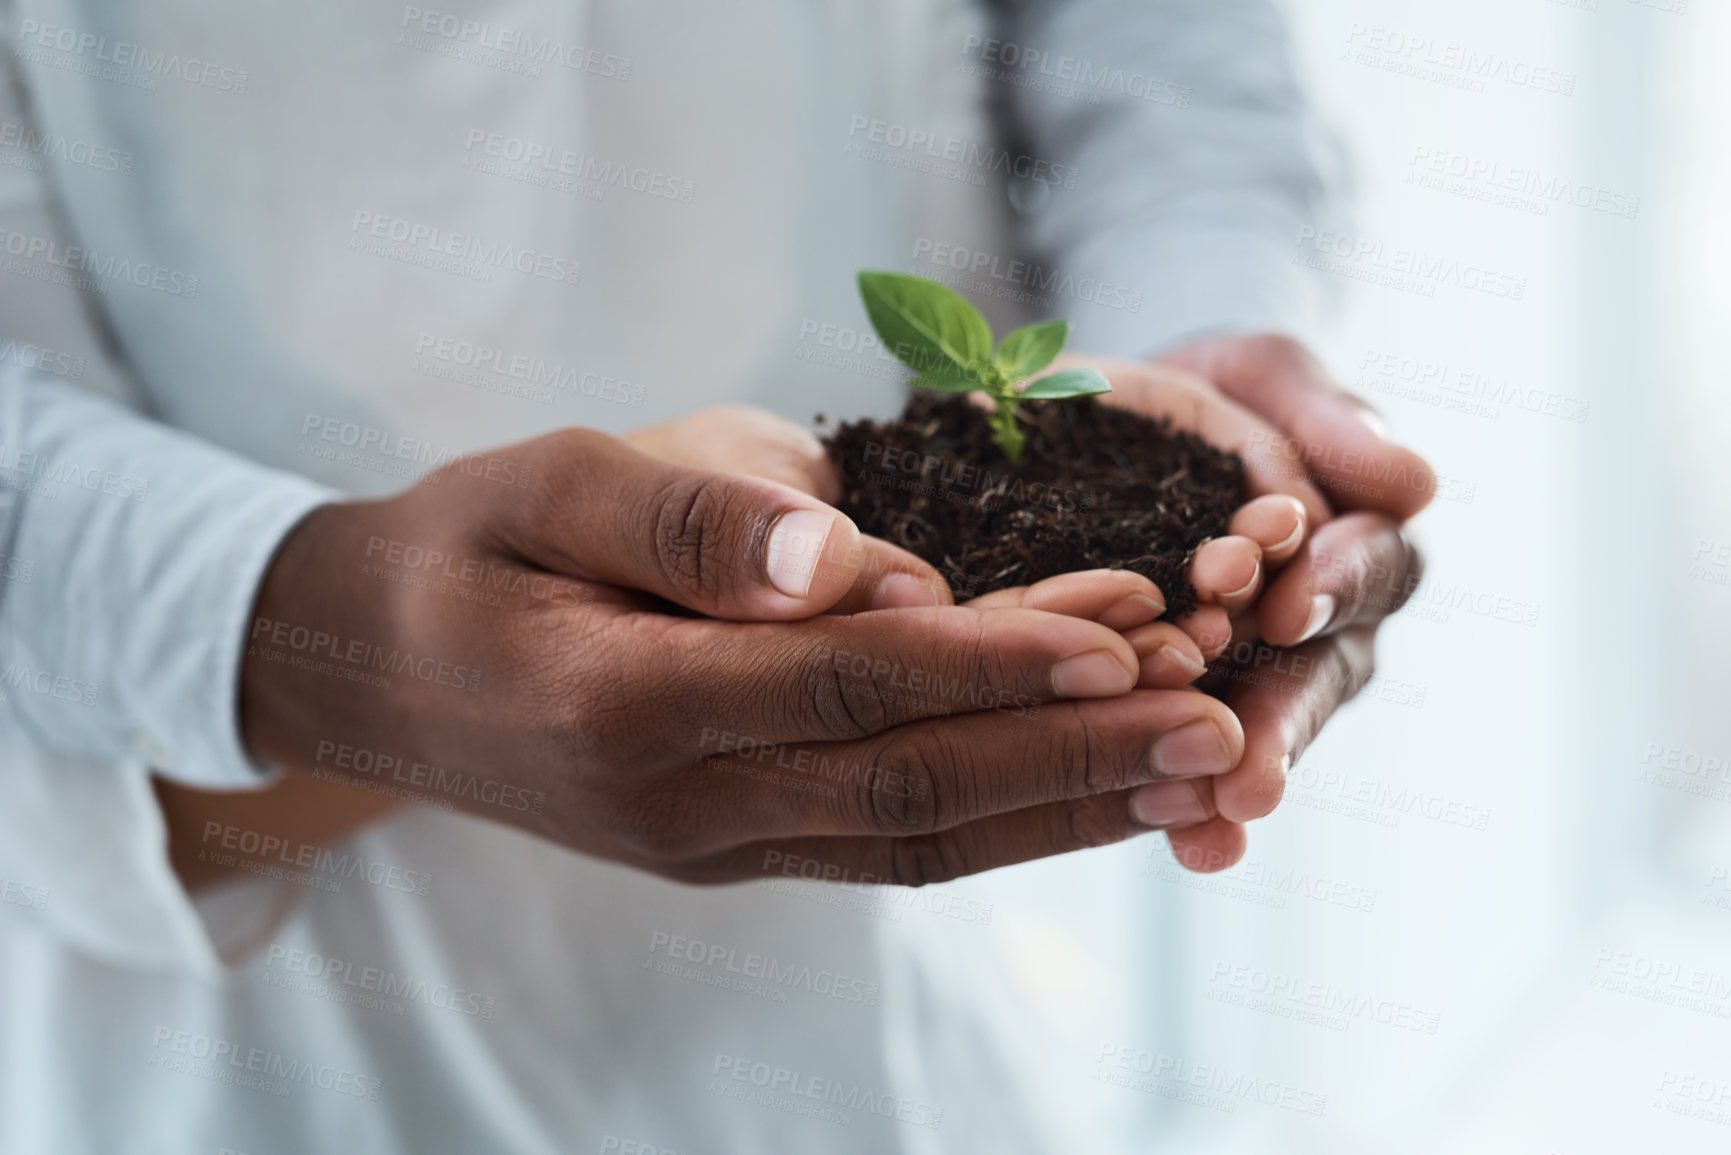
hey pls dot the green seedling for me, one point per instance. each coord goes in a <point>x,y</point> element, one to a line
<point>948,345</point>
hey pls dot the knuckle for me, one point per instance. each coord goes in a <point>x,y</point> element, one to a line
<point>839,705</point>
<point>1247,797</point>
<point>1412,571</point>
<point>1265,348</point>
<point>912,806</point>
<point>924,861</point>
<point>1088,826</point>
<point>689,532</point>
<point>655,826</point>
<point>1084,759</point>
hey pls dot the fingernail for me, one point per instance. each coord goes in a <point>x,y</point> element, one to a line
<point>1255,576</point>
<point>901,591</point>
<point>1132,610</point>
<point>1321,613</point>
<point>1163,804</point>
<point>1190,667</point>
<point>1297,531</point>
<point>1374,421</point>
<point>795,545</point>
<point>1192,750</point>
<point>1096,674</point>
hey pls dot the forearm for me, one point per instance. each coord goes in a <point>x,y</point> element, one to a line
<point>1198,163</point>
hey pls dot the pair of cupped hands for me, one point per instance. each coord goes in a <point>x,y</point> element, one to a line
<point>706,671</point>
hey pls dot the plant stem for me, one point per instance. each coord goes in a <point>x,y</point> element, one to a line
<point>1004,429</point>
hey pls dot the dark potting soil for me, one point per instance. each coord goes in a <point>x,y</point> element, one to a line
<point>1097,487</point>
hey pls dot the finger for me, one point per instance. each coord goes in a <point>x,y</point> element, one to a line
<point>892,578</point>
<point>1276,523</point>
<point>1212,846</point>
<point>732,547</point>
<point>1191,402</point>
<point>1211,628</point>
<point>849,677</point>
<point>932,776</point>
<point>919,860</point>
<point>1170,657</point>
<point>746,440</point>
<point>1358,568</point>
<point>1227,572</point>
<point>1282,708</point>
<point>1116,598</point>
<point>1335,436</point>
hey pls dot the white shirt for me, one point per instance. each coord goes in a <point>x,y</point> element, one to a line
<point>254,260</point>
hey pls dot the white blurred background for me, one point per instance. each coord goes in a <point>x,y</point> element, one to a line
<point>1493,913</point>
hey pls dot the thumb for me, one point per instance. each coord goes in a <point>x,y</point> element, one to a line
<point>1328,431</point>
<point>726,546</point>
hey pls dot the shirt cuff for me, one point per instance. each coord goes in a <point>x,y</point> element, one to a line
<point>1141,295</point>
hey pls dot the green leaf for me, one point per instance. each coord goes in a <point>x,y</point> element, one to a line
<point>1066,383</point>
<point>929,328</point>
<point>944,384</point>
<point>1025,351</point>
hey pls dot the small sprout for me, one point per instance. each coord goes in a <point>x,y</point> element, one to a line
<point>948,345</point>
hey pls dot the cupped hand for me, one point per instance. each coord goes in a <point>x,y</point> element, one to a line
<point>1306,645</point>
<point>654,660</point>
<point>1227,572</point>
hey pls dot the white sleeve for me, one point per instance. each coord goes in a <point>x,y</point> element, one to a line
<point>1196,164</point>
<point>142,548</point>
<point>130,555</point>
